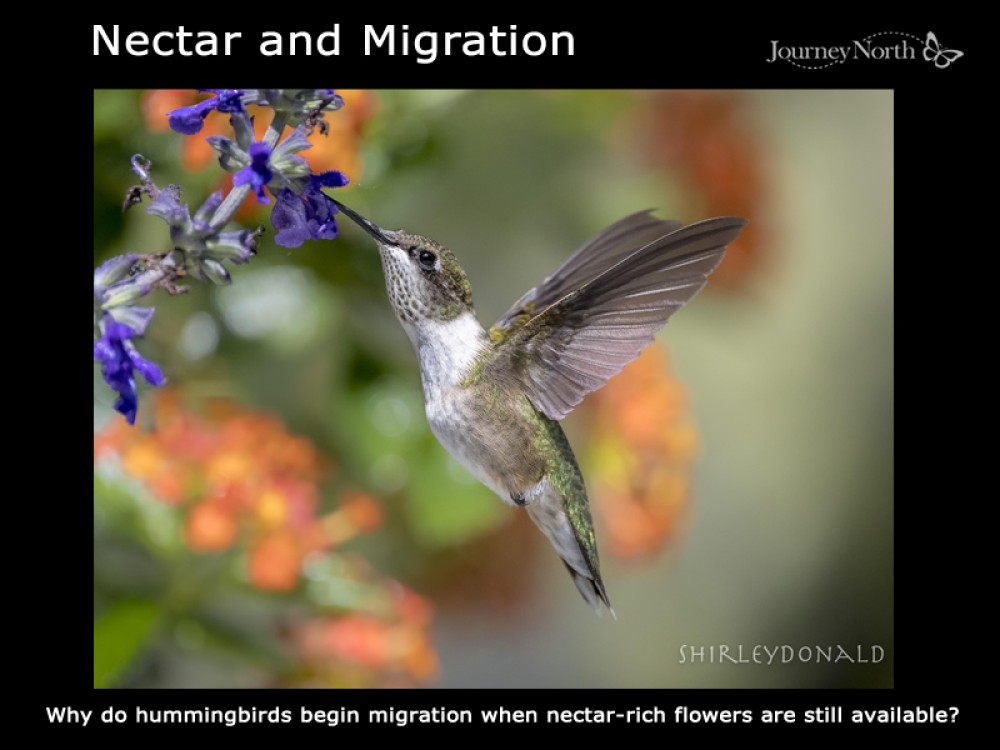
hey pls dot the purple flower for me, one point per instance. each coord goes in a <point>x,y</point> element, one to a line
<point>307,216</point>
<point>258,172</point>
<point>189,120</point>
<point>204,246</point>
<point>227,100</point>
<point>119,359</point>
<point>115,290</point>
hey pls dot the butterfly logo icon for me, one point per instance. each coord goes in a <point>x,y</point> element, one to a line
<point>935,53</point>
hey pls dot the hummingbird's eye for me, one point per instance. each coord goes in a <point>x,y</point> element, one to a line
<point>427,259</point>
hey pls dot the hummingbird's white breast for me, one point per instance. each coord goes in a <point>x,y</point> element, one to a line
<point>447,351</point>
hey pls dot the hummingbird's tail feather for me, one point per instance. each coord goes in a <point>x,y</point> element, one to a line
<point>549,512</point>
<point>592,590</point>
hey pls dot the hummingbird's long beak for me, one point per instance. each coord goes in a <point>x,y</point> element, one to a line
<point>375,231</point>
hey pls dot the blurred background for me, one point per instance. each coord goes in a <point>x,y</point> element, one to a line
<point>281,515</point>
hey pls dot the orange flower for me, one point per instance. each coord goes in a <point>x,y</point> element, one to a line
<point>412,607</point>
<point>420,659</point>
<point>389,650</point>
<point>358,638</point>
<point>111,440</point>
<point>229,466</point>
<point>312,537</point>
<point>143,458</point>
<point>357,513</point>
<point>233,471</point>
<point>642,449</point>
<point>341,149</point>
<point>169,486</point>
<point>363,510</point>
<point>275,562</point>
<point>270,509</point>
<point>210,527</point>
<point>706,137</point>
<point>244,464</point>
<point>157,103</point>
<point>147,459</point>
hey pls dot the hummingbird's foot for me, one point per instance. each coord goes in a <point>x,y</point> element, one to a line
<point>518,498</point>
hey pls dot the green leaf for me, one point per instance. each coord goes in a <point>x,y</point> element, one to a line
<point>445,505</point>
<point>120,504</point>
<point>213,635</point>
<point>114,112</point>
<point>119,635</point>
<point>383,430</point>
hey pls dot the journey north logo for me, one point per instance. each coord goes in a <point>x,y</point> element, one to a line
<point>883,45</point>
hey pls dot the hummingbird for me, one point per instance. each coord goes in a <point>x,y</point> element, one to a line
<point>494,398</point>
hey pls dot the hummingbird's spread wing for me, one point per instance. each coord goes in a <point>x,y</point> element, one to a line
<point>578,340</point>
<point>591,259</point>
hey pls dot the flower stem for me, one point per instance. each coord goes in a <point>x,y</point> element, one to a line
<point>228,207</point>
<point>276,128</point>
<point>236,196</point>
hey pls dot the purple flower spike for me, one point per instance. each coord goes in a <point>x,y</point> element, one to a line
<point>332,178</point>
<point>190,120</point>
<point>258,173</point>
<point>290,219</point>
<point>228,100</point>
<point>119,359</point>
<point>308,216</point>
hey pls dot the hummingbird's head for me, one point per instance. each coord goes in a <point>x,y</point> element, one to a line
<point>423,278</point>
